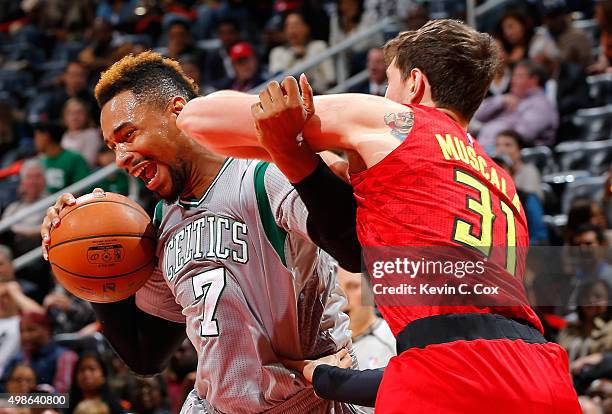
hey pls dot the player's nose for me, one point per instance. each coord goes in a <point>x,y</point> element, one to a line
<point>123,157</point>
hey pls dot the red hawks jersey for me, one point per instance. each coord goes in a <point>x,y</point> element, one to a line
<point>437,190</point>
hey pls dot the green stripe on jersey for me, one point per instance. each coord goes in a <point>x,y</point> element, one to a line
<point>157,214</point>
<point>276,235</point>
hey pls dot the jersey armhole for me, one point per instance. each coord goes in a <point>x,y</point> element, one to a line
<point>276,235</point>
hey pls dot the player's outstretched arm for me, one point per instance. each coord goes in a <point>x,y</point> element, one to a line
<point>332,379</point>
<point>144,342</point>
<point>331,221</point>
<point>222,121</point>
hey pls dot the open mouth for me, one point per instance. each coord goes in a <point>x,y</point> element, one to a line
<point>147,172</point>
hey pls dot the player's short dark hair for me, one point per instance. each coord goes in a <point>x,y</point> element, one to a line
<point>148,75</point>
<point>459,62</point>
<point>54,129</point>
<point>515,136</point>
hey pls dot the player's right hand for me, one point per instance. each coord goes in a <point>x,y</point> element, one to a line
<point>52,219</point>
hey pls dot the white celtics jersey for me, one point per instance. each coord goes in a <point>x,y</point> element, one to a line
<point>238,268</point>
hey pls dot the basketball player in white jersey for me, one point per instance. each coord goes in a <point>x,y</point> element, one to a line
<point>238,269</point>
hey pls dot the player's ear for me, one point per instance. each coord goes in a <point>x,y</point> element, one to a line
<point>177,104</point>
<point>417,85</point>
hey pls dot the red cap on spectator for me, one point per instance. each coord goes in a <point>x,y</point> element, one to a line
<point>241,50</point>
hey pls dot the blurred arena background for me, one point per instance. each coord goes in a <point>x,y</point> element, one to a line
<point>547,118</point>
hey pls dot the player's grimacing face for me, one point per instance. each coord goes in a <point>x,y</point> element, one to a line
<point>144,139</point>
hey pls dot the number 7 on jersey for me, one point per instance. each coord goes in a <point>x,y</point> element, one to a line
<point>208,286</point>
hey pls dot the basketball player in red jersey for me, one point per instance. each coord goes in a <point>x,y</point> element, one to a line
<point>419,180</point>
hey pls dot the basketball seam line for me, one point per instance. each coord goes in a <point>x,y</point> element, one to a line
<point>104,277</point>
<point>139,235</point>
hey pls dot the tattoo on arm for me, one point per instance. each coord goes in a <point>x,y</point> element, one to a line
<point>400,124</point>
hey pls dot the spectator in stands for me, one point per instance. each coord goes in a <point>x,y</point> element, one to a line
<point>589,257</point>
<point>8,133</point>
<point>566,86</point>
<point>534,211</point>
<point>92,407</point>
<point>180,374</point>
<point>116,182</point>
<point>373,341</point>
<point>21,379</point>
<point>607,196</point>
<point>118,13</point>
<point>526,109</point>
<point>90,383</point>
<point>588,369</point>
<point>501,82</point>
<point>584,211</point>
<point>62,167</point>
<point>515,30</point>
<point>101,52</point>
<point>573,44</point>
<point>246,69</point>
<point>81,136</point>
<point>603,15</point>
<point>121,380</point>
<point>300,48</point>
<point>526,176</point>
<point>67,313</point>
<point>376,84</point>
<point>149,397</point>
<point>604,62</point>
<point>13,290</point>
<point>347,21</point>
<point>600,395</point>
<point>52,363</point>
<point>74,84</point>
<point>9,329</point>
<point>218,63</point>
<point>26,233</point>
<point>180,43</point>
<point>592,332</point>
<point>192,69</point>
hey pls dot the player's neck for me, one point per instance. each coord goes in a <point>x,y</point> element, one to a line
<point>203,167</point>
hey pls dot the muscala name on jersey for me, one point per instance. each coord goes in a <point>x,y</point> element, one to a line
<point>210,237</point>
<point>454,148</point>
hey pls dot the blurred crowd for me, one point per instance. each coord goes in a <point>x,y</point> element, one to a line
<point>547,119</point>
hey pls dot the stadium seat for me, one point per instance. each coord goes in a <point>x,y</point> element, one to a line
<point>594,123</point>
<point>80,344</point>
<point>595,157</point>
<point>542,157</point>
<point>551,202</point>
<point>558,183</point>
<point>67,51</point>
<point>15,80</point>
<point>600,88</point>
<point>556,226</point>
<point>590,187</point>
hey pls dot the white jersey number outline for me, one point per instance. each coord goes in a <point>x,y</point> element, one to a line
<point>209,285</point>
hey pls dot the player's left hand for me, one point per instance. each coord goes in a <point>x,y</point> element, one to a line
<point>280,116</point>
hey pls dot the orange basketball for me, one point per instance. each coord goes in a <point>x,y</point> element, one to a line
<point>104,247</point>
